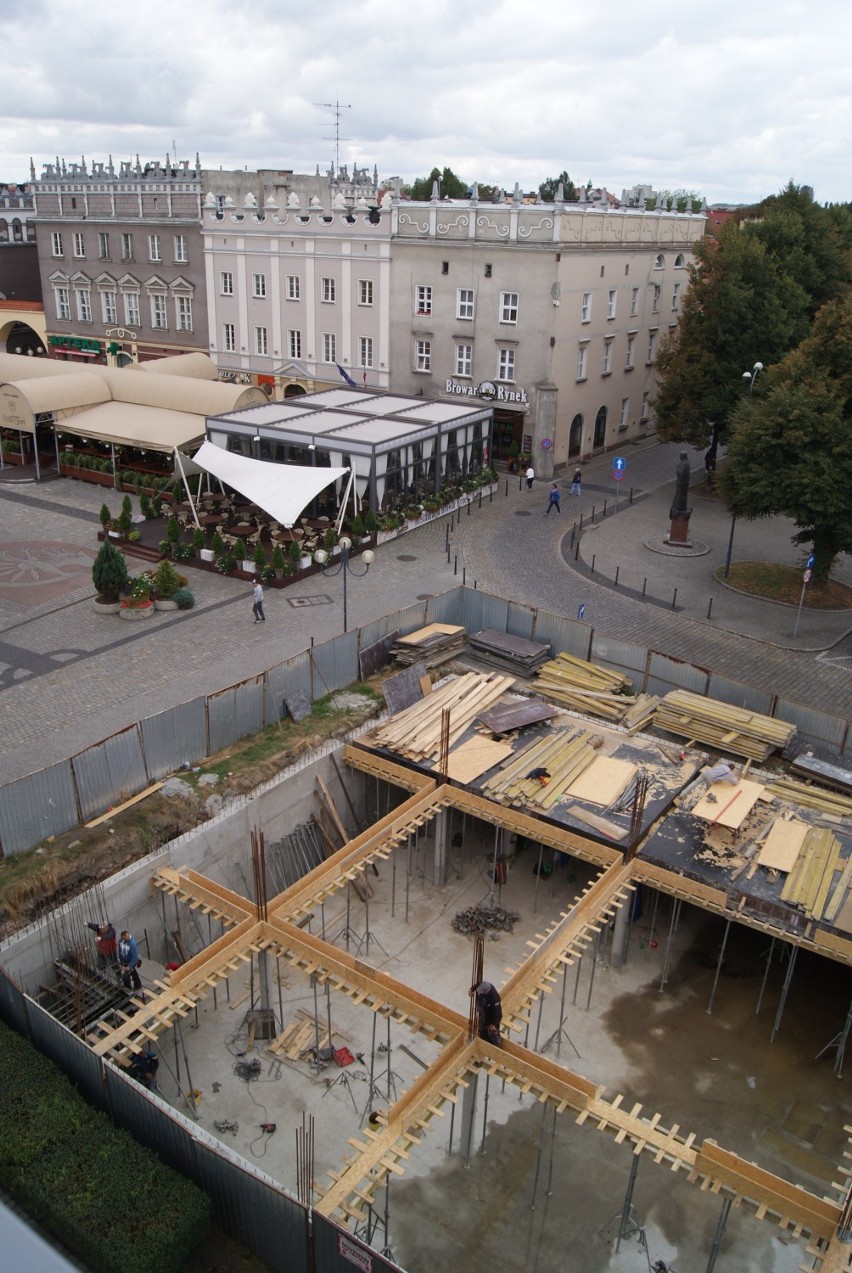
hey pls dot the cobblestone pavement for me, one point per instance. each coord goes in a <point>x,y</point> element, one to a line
<point>69,677</point>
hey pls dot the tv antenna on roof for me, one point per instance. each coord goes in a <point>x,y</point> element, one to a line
<point>337,108</point>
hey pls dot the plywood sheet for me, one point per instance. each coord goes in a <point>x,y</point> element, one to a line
<point>432,630</point>
<point>475,756</point>
<point>844,919</point>
<point>730,805</point>
<point>603,780</point>
<point>783,844</point>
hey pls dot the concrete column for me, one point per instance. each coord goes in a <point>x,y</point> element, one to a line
<point>442,832</point>
<point>620,933</point>
<point>544,429</point>
<point>468,1117</point>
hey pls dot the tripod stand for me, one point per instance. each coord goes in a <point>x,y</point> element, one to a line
<point>560,1032</point>
<point>361,941</point>
<point>628,1218</point>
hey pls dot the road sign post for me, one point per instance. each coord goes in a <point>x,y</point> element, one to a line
<point>806,578</point>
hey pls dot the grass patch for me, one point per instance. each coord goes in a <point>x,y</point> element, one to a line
<point>774,582</point>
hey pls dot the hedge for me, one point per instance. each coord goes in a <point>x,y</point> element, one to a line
<point>113,1203</point>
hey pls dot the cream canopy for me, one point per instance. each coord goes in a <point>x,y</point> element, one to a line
<point>282,490</point>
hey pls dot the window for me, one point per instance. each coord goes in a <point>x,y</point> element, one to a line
<point>294,343</point>
<point>488,271</point>
<point>610,304</point>
<point>293,288</point>
<point>154,247</point>
<point>84,305</point>
<point>586,308</point>
<point>676,296</point>
<point>631,340</point>
<point>655,304</point>
<point>79,245</point>
<point>423,300</point>
<point>229,338</point>
<point>464,360</point>
<point>181,249</point>
<point>680,261</point>
<point>103,245</point>
<point>56,243</point>
<point>625,410</point>
<point>227,283</point>
<point>423,355</point>
<point>646,410</point>
<point>261,341</point>
<point>506,364</point>
<point>183,310</point>
<point>258,286</point>
<point>607,358</point>
<point>127,247</point>
<point>634,302</point>
<point>652,339</point>
<point>329,347</point>
<point>131,309</point>
<point>464,302</point>
<point>63,302</point>
<point>365,351</point>
<point>445,267</point>
<point>508,307</point>
<point>582,353</point>
<point>659,262</point>
<point>328,291</point>
<point>109,308</point>
<point>158,311</point>
<point>365,291</point>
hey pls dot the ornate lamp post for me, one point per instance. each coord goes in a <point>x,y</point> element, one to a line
<point>750,376</point>
<point>344,567</point>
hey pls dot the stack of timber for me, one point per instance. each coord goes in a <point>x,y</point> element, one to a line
<point>416,732</point>
<point>562,754</point>
<point>587,687</point>
<point>808,883</point>
<point>730,729</point>
<point>515,654</point>
<point>434,644</point>
<point>831,802</point>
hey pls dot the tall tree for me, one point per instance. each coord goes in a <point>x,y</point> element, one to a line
<point>790,447</point>
<point>449,186</point>
<point>547,189</point>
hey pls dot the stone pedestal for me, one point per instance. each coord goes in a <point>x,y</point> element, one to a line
<point>679,529</point>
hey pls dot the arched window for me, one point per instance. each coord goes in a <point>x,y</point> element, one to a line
<point>575,436</point>
<point>600,429</point>
<point>659,261</point>
<point>680,261</point>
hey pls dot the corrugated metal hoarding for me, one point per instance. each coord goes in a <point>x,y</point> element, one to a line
<point>292,677</point>
<point>235,713</point>
<point>563,634</point>
<point>73,1057</point>
<point>175,737</point>
<point>739,695</point>
<point>338,1251</point>
<point>621,656</point>
<point>520,621</point>
<point>266,1219</point>
<point>665,674</point>
<point>481,610</point>
<point>335,664</point>
<point>109,772</point>
<point>13,1006</point>
<point>39,805</point>
<point>818,726</point>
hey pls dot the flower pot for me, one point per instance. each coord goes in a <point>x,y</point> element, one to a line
<point>106,607</point>
<point>249,566</point>
<point>207,554</point>
<point>165,603</point>
<point>133,613</point>
<point>306,563</point>
<point>114,534</point>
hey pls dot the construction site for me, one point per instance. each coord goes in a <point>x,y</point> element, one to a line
<point>664,909</point>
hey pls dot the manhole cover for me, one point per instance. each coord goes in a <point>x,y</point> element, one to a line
<point>406,557</point>
<point>299,603</point>
<point>522,512</point>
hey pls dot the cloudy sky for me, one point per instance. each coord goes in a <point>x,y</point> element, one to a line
<point>730,98</point>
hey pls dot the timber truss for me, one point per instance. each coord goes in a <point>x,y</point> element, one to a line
<point>383,1150</point>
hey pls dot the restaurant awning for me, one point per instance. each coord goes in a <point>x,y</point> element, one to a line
<point>129,424</point>
<point>282,490</point>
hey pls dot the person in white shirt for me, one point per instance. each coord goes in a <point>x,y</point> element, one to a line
<point>257,608</point>
<point>530,476</point>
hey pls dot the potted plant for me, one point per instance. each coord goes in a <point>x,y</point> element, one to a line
<point>109,575</point>
<point>371,522</point>
<point>359,531</point>
<point>105,517</point>
<point>260,558</point>
<point>198,539</point>
<point>267,575</point>
<point>277,561</point>
<point>173,533</point>
<point>329,539</point>
<point>139,604</point>
<point>217,547</point>
<point>512,458</point>
<point>166,584</point>
<point>183,599</point>
<point>226,562</point>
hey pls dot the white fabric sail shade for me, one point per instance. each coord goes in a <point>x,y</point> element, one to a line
<point>283,491</point>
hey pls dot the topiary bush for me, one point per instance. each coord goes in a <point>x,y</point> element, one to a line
<point>109,573</point>
<point>166,579</point>
<point>104,515</point>
<point>183,599</point>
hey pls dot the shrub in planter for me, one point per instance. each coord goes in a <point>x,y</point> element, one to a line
<point>267,574</point>
<point>277,560</point>
<point>145,505</point>
<point>260,558</point>
<point>165,548</point>
<point>371,522</point>
<point>198,539</point>
<point>127,506</point>
<point>358,529</point>
<point>226,563</point>
<point>124,521</point>
<point>156,506</point>
<point>412,512</point>
<point>431,504</point>
<point>109,573</point>
<point>166,579</point>
<point>217,543</point>
<point>173,530</point>
<point>329,539</point>
<point>183,599</point>
<point>105,516</point>
<point>295,554</point>
<point>182,552</point>
<point>134,536</point>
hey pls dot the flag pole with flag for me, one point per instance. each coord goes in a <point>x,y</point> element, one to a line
<point>346,376</point>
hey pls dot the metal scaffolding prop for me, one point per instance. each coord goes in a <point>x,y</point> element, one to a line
<point>382,1148</point>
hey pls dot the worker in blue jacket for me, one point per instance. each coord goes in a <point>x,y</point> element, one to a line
<point>128,958</point>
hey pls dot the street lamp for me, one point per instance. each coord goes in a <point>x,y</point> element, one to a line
<point>345,566</point>
<point>750,376</point>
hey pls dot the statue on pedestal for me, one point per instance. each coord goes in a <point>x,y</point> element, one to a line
<point>679,512</point>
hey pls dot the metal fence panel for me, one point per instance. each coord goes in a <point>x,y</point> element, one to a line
<point>739,695</point>
<point>291,677</point>
<point>620,656</point>
<point>73,1057</point>
<point>407,620</point>
<point>39,805</point>
<point>665,674</point>
<point>335,664</point>
<point>234,713</point>
<point>563,634</point>
<point>446,607</point>
<point>264,1218</point>
<point>109,772</point>
<point>818,726</point>
<point>173,737</point>
<point>150,1122</point>
<point>481,610</point>
<point>520,621</point>
<point>338,1251</point>
<point>13,1006</point>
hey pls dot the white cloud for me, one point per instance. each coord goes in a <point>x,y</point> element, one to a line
<point>731,99</point>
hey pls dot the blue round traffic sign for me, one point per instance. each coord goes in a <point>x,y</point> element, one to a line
<point>618,475</point>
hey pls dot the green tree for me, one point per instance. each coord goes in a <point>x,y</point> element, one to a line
<point>449,186</point>
<point>109,573</point>
<point>548,188</point>
<point>790,449</point>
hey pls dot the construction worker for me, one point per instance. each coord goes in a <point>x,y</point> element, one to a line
<point>489,1008</point>
<point>106,943</point>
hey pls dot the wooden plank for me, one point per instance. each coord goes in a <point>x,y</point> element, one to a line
<point>110,813</point>
<point>783,844</point>
<point>610,829</point>
<point>474,757</point>
<point>729,806</point>
<point>603,781</point>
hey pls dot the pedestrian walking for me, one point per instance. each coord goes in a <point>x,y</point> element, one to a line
<point>577,483</point>
<point>128,957</point>
<point>530,477</point>
<point>257,608</point>
<point>553,498</point>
